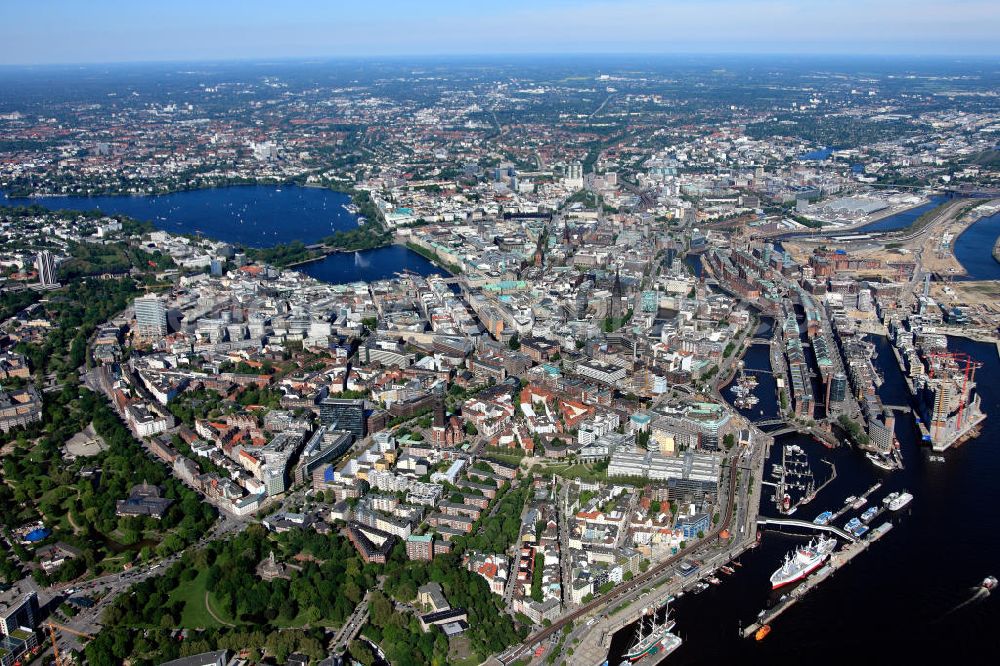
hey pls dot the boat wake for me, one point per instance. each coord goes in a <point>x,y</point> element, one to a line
<point>978,595</point>
<point>360,261</point>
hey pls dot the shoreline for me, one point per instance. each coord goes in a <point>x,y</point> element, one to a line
<point>32,200</point>
<point>55,195</point>
<point>827,229</point>
<point>976,215</point>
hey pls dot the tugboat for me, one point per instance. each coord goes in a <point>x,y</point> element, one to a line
<point>989,583</point>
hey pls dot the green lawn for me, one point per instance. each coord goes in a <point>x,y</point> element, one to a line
<point>195,615</point>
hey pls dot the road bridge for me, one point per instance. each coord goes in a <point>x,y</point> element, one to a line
<point>792,522</point>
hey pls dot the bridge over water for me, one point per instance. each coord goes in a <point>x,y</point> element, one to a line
<point>793,522</point>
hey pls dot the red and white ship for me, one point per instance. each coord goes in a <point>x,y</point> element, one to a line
<point>803,561</point>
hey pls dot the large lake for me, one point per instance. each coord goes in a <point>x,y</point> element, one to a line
<point>250,215</point>
<point>256,216</point>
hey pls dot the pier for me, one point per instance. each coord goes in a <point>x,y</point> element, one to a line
<point>847,507</point>
<point>837,560</point>
<point>833,529</point>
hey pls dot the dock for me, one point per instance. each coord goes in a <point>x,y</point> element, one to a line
<point>847,507</point>
<point>837,560</point>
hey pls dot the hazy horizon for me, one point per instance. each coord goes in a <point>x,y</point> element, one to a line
<point>114,31</point>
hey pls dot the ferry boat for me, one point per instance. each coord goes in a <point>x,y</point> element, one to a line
<point>900,501</point>
<point>869,514</point>
<point>803,561</point>
<point>657,639</point>
<point>823,518</point>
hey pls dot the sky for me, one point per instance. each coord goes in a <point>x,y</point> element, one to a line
<point>85,31</point>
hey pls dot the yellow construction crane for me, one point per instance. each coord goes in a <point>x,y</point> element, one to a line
<point>52,626</point>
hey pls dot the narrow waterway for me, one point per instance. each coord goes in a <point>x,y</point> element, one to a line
<point>901,599</point>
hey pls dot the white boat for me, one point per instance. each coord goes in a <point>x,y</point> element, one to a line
<point>879,461</point>
<point>900,501</point>
<point>803,561</point>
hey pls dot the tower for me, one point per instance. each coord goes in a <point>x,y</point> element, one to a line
<point>46,266</point>
<point>150,317</point>
<point>617,299</point>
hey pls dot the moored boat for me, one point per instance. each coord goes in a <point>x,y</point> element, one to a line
<point>803,561</point>
<point>900,501</point>
<point>653,637</point>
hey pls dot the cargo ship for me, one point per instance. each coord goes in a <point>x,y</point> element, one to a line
<point>653,638</point>
<point>803,561</point>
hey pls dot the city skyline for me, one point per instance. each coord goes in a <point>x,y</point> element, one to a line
<point>113,31</point>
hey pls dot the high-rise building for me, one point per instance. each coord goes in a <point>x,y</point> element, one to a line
<point>18,620</point>
<point>18,608</point>
<point>346,415</point>
<point>46,266</point>
<point>574,175</point>
<point>150,317</point>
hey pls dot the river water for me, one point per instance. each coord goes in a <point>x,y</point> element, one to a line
<point>895,602</point>
<point>974,249</point>
<point>903,219</point>
<point>257,216</point>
